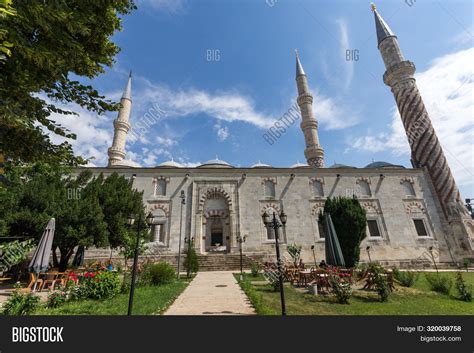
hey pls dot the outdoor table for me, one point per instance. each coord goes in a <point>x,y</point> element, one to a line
<point>304,276</point>
<point>322,280</point>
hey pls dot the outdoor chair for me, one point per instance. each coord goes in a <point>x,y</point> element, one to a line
<point>30,286</point>
<point>50,279</point>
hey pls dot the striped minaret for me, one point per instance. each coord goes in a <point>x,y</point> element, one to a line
<point>426,150</point>
<point>121,126</point>
<point>314,153</point>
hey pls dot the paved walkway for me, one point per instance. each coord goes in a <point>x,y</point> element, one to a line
<point>212,293</point>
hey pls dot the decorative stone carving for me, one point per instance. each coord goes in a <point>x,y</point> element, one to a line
<point>414,207</point>
<point>316,207</point>
<point>313,180</point>
<point>162,206</point>
<point>273,180</point>
<point>214,192</point>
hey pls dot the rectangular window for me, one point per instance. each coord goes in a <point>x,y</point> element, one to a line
<point>373,228</point>
<point>321,229</point>
<point>420,227</point>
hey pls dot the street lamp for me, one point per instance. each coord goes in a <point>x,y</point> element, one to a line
<point>469,207</point>
<point>368,253</point>
<point>314,256</point>
<point>130,222</point>
<point>274,224</point>
<point>183,202</point>
<point>241,240</point>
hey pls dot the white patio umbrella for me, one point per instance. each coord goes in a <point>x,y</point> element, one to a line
<point>40,260</point>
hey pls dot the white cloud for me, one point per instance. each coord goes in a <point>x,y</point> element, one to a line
<point>225,106</point>
<point>344,46</point>
<point>94,133</point>
<point>168,142</point>
<point>222,132</point>
<point>331,114</point>
<point>447,88</point>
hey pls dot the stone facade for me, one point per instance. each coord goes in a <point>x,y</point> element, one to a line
<point>224,202</point>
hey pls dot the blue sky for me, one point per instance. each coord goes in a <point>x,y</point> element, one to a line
<point>224,106</point>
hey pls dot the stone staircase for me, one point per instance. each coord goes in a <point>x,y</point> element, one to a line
<point>223,262</point>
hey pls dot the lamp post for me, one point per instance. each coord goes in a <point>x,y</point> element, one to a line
<point>241,240</point>
<point>368,253</point>
<point>314,256</point>
<point>183,202</point>
<point>274,224</point>
<point>469,207</point>
<point>131,221</point>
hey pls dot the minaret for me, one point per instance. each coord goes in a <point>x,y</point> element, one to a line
<point>425,148</point>
<point>121,126</point>
<point>424,144</point>
<point>314,153</point>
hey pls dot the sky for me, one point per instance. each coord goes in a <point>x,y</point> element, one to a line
<point>212,76</point>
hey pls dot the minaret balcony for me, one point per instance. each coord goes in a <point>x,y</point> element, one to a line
<point>122,125</point>
<point>114,152</point>
<point>305,99</point>
<point>399,72</point>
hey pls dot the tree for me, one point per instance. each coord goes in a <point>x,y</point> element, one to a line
<point>52,43</point>
<point>6,9</point>
<point>350,222</point>
<point>88,211</point>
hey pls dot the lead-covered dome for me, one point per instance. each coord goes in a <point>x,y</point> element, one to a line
<point>215,163</point>
<point>382,164</point>
<point>170,164</point>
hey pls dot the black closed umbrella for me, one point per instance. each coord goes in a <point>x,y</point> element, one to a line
<point>40,260</point>
<point>334,255</point>
<point>78,260</point>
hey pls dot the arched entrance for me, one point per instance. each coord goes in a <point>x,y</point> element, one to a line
<point>216,222</point>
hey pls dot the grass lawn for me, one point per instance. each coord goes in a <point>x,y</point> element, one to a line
<point>148,300</point>
<point>417,300</point>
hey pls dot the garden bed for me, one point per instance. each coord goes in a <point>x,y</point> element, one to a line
<point>417,300</point>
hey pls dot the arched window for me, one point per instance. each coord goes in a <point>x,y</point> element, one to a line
<point>269,189</point>
<point>318,189</point>
<point>364,188</point>
<point>408,188</point>
<point>160,188</point>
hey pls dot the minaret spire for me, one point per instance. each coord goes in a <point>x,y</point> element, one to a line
<point>121,125</point>
<point>299,67</point>
<point>381,27</point>
<point>425,148</point>
<point>314,153</point>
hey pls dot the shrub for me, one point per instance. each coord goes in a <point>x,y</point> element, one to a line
<point>56,299</point>
<point>405,278</point>
<point>21,304</point>
<point>349,220</point>
<point>101,285</point>
<point>464,290</point>
<point>342,289</point>
<point>437,283</point>
<point>158,273</point>
<point>191,261</point>
<point>380,281</point>
<point>254,269</point>
<point>466,263</point>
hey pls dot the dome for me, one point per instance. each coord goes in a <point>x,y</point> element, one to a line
<point>381,164</point>
<point>299,165</point>
<point>337,165</point>
<point>215,163</point>
<point>126,163</point>
<point>261,165</point>
<point>170,164</point>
